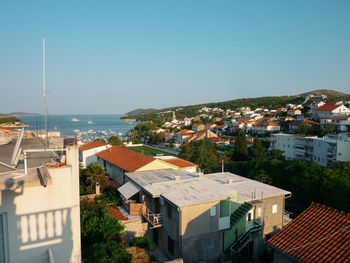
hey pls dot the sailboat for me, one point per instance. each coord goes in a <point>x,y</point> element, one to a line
<point>75,120</point>
<point>90,121</point>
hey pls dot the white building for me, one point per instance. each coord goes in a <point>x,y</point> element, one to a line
<point>330,109</point>
<point>321,150</point>
<point>87,152</point>
<point>40,211</point>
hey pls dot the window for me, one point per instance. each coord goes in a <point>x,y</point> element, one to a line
<point>274,209</point>
<point>249,217</point>
<point>170,245</point>
<point>169,211</point>
<point>213,211</point>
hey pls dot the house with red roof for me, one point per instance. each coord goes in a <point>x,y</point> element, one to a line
<point>263,127</point>
<point>119,160</point>
<point>182,164</point>
<point>293,126</point>
<point>294,112</point>
<point>319,234</point>
<point>330,109</point>
<point>88,151</point>
<point>341,122</point>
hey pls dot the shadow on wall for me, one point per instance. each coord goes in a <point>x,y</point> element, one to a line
<point>30,235</point>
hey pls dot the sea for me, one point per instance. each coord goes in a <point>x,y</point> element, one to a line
<point>85,127</point>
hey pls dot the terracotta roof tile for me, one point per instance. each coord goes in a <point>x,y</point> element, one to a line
<point>9,129</point>
<point>180,162</point>
<point>91,145</point>
<point>319,234</point>
<point>114,212</point>
<point>329,106</point>
<point>126,159</point>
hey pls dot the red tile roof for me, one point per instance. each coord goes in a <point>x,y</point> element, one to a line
<point>329,106</point>
<point>113,212</point>
<point>319,234</point>
<point>91,145</point>
<point>217,139</point>
<point>9,129</point>
<point>348,134</point>
<point>336,117</point>
<point>180,162</point>
<point>126,159</point>
<point>304,121</point>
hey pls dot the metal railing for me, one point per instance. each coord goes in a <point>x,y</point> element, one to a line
<point>51,259</point>
<point>156,220</point>
<point>244,239</point>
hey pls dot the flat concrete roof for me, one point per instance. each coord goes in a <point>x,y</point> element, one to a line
<point>153,177</point>
<point>210,187</point>
<point>10,177</point>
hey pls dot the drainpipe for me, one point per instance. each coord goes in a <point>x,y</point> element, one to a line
<point>180,231</point>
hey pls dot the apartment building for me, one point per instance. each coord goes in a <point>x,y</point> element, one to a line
<point>198,217</point>
<point>312,148</point>
<point>39,205</point>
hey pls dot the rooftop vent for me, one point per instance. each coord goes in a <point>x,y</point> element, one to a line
<point>230,181</point>
<point>176,177</point>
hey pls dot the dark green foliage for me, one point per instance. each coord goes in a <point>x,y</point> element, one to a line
<point>306,129</point>
<point>92,174</point>
<point>100,140</point>
<point>9,120</point>
<point>114,140</point>
<point>240,150</point>
<point>200,152</point>
<point>307,181</point>
<point>258,151</point>
<point>142,242</point>
<point>110,252</point>
<point>100,235</point>
<point>109,196</point>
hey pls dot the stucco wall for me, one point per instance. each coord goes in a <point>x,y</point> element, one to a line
<point>40,217</point>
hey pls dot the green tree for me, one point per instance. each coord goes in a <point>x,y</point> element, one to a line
<point>93,174</point>
<point>258,151</point>
<point>100,235</point>
<point>240,150</point>
<point>100,140</point>
<point>114,140</point>
<point>276,154</point>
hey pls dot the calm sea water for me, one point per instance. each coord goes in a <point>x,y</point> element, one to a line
<point>104,125</point>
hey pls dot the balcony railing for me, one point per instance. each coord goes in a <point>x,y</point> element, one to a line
<point>156,220</point>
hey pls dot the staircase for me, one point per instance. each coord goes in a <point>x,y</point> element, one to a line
<point>241,211</point>
<point>245,239</point>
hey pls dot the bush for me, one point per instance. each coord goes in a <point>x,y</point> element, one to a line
<point>142,242</point>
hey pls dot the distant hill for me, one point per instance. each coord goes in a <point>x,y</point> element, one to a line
<point>332,95</point>
<point>272,102</point>
<point>141,111</point>
<point>18,114</point>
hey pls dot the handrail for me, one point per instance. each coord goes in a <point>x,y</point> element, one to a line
<point>155,219</point>
<point>242,239</point>
<point>51,259</point>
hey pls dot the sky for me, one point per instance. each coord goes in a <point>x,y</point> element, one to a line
<point>116,56</point>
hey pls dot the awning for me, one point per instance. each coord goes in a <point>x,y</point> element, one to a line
<point>129,189</point>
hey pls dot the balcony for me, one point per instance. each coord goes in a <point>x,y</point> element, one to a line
<point>156,220</point>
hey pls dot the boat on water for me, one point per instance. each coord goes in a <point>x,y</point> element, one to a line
<point>90,121</point>
<point>75,120</point>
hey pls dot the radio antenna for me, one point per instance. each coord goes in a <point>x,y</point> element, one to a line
<point>45,104</point>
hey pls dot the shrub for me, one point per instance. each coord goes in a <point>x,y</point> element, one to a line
<point>142,242</point>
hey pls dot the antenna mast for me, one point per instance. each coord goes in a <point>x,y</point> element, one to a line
<point>45,105</point>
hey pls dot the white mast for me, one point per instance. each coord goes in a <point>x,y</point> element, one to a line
<point>44,87</point>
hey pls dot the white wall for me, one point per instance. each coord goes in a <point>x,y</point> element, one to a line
<point>38,218</point>
<point>89,156</point>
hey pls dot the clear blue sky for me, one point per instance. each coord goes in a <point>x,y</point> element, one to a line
<point>115,56</point>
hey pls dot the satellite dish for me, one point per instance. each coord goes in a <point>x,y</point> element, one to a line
<point>17,150</point>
